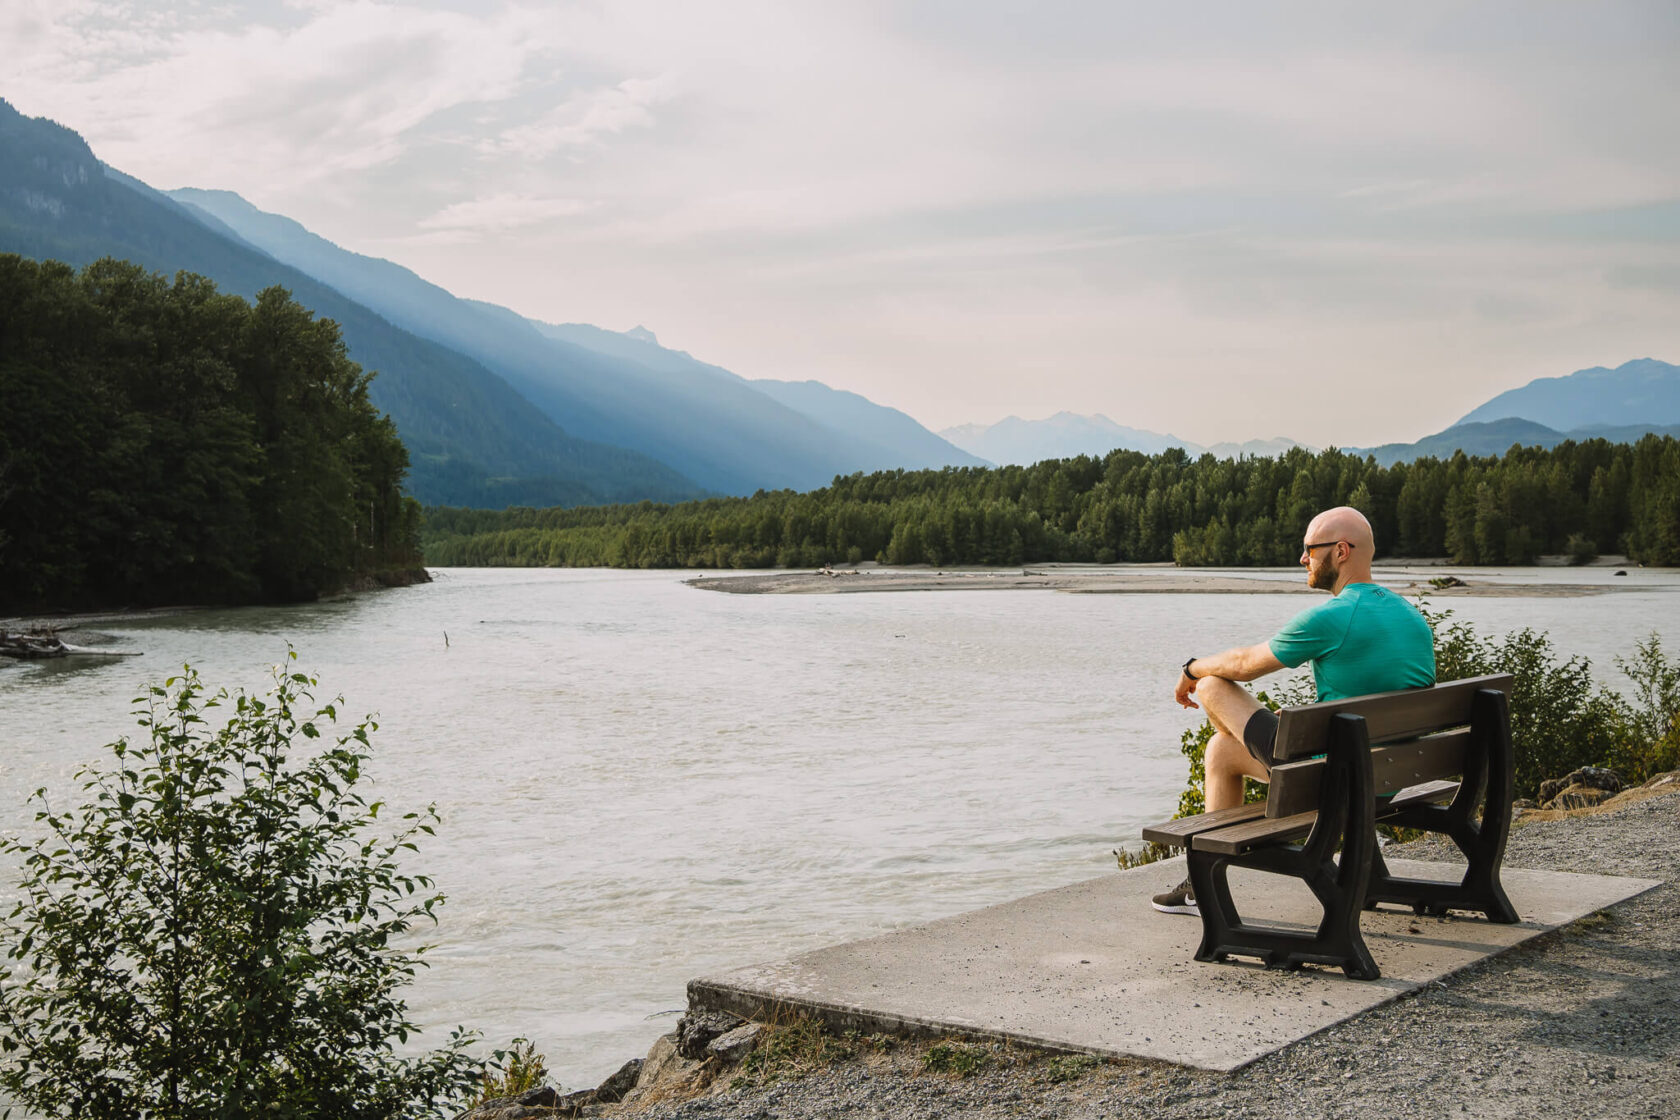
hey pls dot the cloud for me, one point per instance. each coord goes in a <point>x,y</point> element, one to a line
<point>302,95</point>
<point>585,118</point>
<point>499,213</point>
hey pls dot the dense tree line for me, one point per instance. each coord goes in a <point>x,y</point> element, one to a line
<point>164,442</point>
<point>1577,498</point>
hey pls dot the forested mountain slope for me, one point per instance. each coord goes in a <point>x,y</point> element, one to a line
<point>472,438</point>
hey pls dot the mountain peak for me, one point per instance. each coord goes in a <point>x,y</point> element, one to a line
<point>641,334</point>
<point>1640,391</point>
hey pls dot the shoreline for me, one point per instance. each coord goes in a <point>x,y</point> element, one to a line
<point>78,620</point>
<point>1150,579</point>
<point>1585,1018</point>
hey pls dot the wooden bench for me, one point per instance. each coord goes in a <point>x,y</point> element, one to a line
<point>1446,750</point>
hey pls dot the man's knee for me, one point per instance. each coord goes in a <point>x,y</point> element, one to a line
<point>1227,704</point>
<point>1227,754</point>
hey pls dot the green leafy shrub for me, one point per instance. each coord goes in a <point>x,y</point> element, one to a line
<point>1580,549</point>
<point>513,1071</point>
<point>211,934</point>
<point>1652,745</point>
<point>1559,719</point>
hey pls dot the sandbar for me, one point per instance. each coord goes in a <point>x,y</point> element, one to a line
<point>1141,579</point>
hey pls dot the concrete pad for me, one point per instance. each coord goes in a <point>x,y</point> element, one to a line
<point>1091,967</point>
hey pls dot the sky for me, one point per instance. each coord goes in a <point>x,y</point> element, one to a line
<point>1344,224</point>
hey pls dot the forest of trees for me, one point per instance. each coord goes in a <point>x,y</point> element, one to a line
<point>1579,499</point>
<point>161,442</point>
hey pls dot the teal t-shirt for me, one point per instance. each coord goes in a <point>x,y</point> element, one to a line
<point>1366,639</point>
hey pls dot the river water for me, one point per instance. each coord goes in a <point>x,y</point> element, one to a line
<point>641,782</point>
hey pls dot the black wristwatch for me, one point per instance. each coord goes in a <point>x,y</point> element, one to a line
<point>1188,661</point>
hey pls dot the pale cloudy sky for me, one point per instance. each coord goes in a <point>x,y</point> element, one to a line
<point>1342,223</point>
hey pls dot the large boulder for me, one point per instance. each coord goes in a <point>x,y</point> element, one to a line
<point>696,1030</point>
<point>616,1087</point>
<point>733,1046</point>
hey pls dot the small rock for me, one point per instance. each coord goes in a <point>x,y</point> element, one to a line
<point>535,1102</point>
<point>572,1104</point>
<point>732,1046</point>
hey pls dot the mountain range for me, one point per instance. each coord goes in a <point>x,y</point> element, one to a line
<point>497,409</point>
<point>1023,442</point>
<point>711,425</point>
<point>1620,405</point>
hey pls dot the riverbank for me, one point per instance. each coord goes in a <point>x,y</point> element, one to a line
<point>1142,579</point>
<point>66,621</point>
<point>1584,1021</point>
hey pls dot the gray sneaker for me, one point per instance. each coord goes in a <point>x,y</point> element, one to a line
<point>1179,900</point>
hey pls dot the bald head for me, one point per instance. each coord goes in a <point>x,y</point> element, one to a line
<point>1338,549</point>
<point>1344,523</point>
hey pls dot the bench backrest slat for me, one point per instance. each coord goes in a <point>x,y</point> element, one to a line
<point>1294,787</point>
<point>1430,724</point>
<point>1304,731</point>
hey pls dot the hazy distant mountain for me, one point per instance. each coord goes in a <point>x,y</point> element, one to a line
<point>1066,434</point>
<point>624,389</point>
<point>1014,440</point>
<point>1619,405</point>
<point>880,438</point>
<point>1496,437</point>
<point>898,440</point>
<point>1249,448</point>
<point>1643,391</point>
<point>471,438</point>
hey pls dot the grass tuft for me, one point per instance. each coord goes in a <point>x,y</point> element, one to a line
<point>963,1059</point>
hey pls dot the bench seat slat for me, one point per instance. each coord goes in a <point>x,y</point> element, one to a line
<point>1427,794</point>
<point>1238,838</point>
<point>1177,833</point>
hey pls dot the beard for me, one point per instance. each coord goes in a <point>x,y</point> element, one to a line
<point>1323,577</point>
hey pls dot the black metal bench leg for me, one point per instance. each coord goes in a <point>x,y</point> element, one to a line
<point>1339,887</point>
<point>1213,898</point>
<point>1488,784</point>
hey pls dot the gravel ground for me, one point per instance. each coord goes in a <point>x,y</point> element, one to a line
<point>1583,1022</point>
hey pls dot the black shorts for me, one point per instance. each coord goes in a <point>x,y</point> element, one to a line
<point>1261,735</point>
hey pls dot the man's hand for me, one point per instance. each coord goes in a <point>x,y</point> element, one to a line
<point>1244,663</point>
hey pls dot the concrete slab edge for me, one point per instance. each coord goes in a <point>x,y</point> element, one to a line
<point>762,1006</point>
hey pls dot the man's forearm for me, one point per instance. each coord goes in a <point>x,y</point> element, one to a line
<point>1244,663</point>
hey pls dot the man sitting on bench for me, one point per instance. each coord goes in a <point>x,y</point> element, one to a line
<point>1363,639</point>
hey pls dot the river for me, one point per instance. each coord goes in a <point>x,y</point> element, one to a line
<point>641,782</point>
